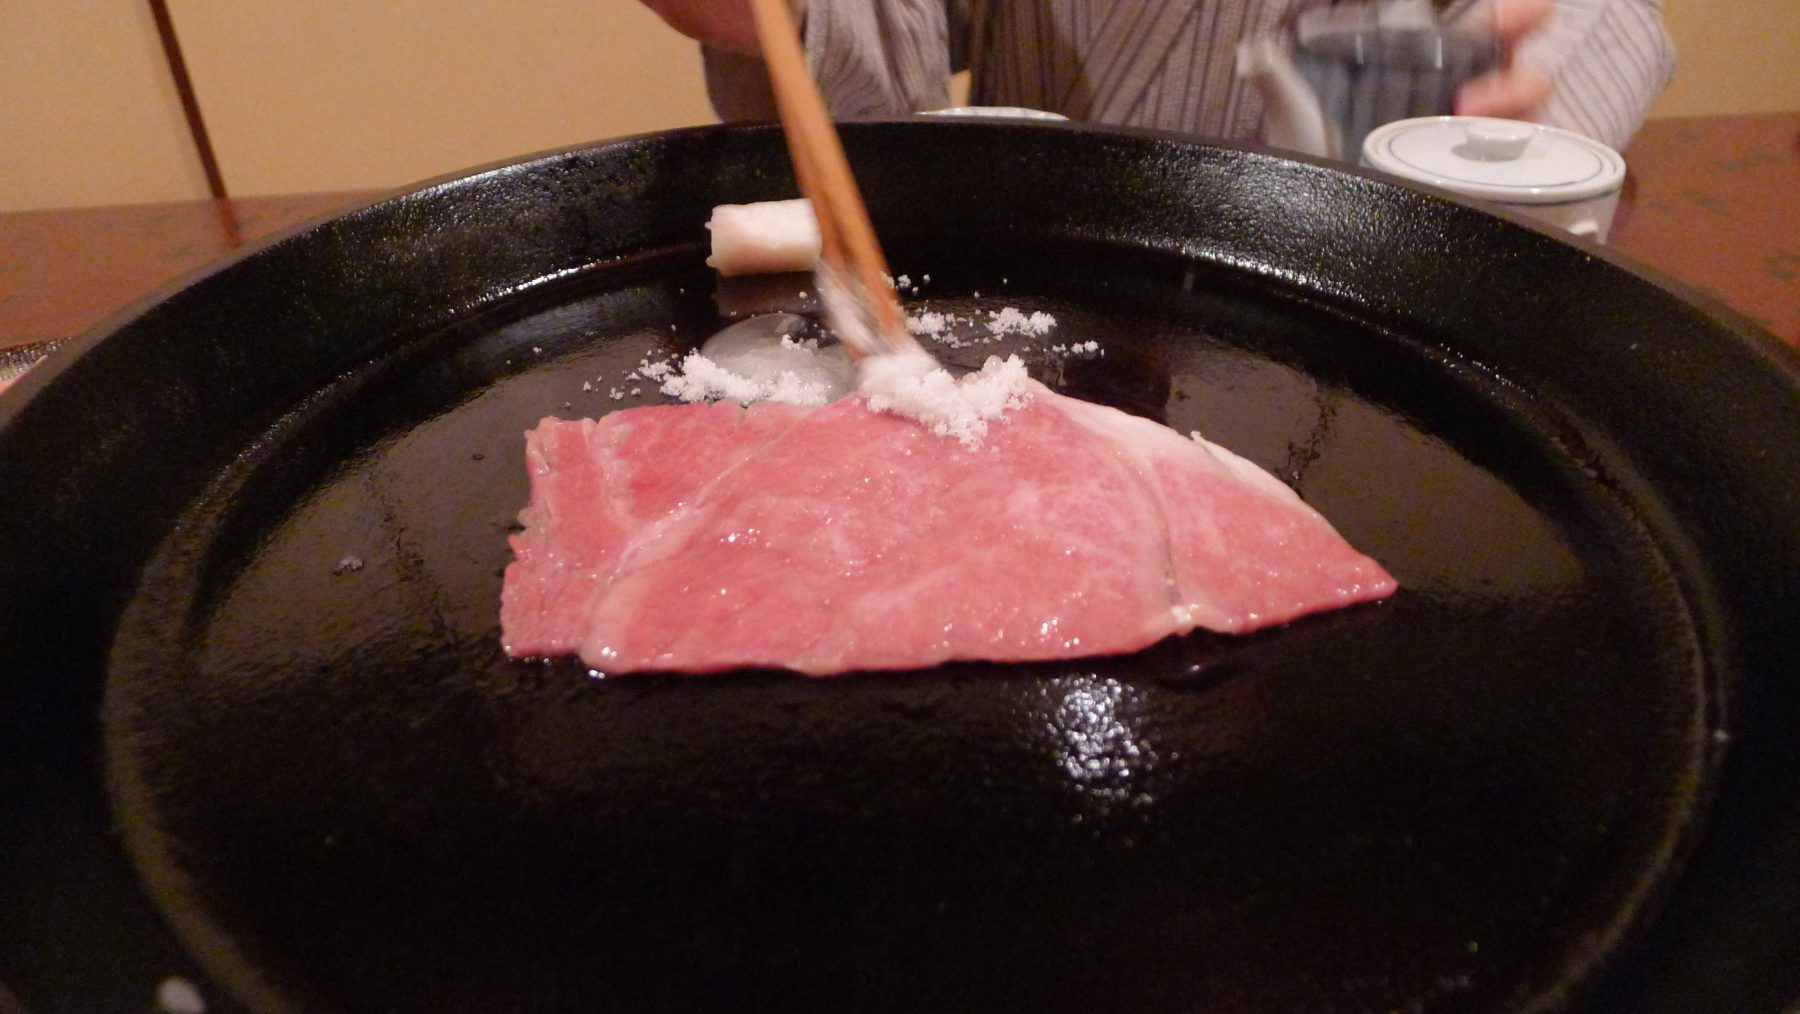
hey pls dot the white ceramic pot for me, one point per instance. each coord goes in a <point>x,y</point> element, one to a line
<point>999,112</point>
<point>1555,175</point>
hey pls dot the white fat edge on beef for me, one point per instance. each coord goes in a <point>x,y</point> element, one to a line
<point>766,237</point>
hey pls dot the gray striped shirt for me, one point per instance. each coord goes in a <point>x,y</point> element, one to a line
<point>1167,64</point>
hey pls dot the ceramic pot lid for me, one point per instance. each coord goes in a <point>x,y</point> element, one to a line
<point>1501,160</point>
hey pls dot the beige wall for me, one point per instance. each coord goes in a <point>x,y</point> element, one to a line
<point>87,111</point>
<point>304,95</point>
<point>341,94</point>
<point>1734,56</point>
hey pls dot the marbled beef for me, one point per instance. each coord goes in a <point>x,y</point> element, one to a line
<point>697,538</point>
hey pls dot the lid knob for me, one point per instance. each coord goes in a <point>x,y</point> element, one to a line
<point>1499,140</point>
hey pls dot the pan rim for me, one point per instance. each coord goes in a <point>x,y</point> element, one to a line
<point>1769,350</point>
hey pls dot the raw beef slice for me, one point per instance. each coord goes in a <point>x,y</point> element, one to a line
<point>698,538</point>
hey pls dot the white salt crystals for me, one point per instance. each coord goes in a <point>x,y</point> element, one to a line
<point>914,386</point>
<point>962,332</point>
<point>1011,321</point>
<point>911,385</point>
<point>930,322</point>
<point>701,379</point>
<point>758,359</point>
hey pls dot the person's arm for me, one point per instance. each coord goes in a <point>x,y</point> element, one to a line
<point>870,59</point>
<point>1608,69</point>
<point>1593,66</point>
<point>736,81</point>
<point>888,58</point>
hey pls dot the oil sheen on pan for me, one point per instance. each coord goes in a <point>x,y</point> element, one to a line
<point>343,794</point>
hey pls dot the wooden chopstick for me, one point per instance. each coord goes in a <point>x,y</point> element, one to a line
<point>848,246</point>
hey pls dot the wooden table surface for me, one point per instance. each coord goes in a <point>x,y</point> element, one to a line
<point>1713,201</point>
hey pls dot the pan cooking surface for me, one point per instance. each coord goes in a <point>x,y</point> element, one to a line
<point>343,795</point>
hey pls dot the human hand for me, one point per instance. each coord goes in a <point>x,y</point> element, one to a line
<point>1515,90</point>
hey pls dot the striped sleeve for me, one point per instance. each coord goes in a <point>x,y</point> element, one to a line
<point>879,57</point>
<point>1608,60</point>
<point>870,57</point>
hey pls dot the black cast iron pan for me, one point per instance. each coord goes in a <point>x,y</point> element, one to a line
<point>256,729</point>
